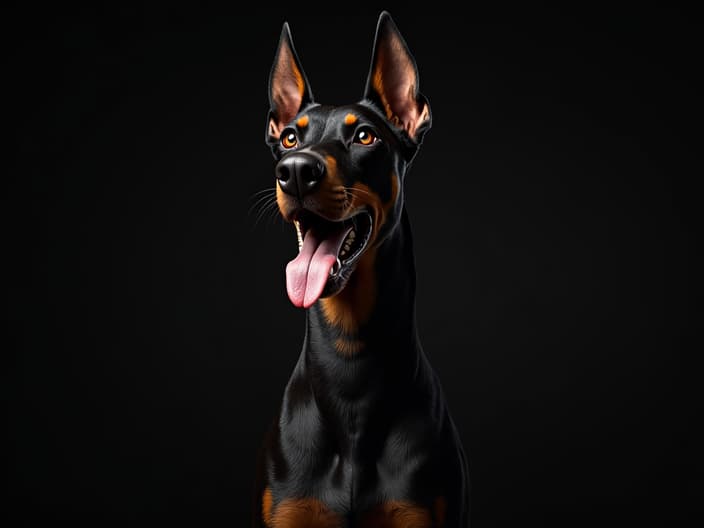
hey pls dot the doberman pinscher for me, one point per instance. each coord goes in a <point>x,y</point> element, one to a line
<point>363,437</point>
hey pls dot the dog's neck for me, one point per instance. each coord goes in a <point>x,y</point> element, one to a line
<point>368,329</point>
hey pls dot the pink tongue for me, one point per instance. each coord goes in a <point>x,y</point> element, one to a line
<point>307,274</point>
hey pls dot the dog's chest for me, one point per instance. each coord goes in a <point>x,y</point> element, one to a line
<point>330,484</point>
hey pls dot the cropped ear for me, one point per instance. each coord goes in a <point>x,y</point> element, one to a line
<point>393,82</point>
<point>289,90</point>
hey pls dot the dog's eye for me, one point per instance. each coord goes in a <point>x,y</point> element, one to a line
<point>365,136</point>
<point>289,139</point>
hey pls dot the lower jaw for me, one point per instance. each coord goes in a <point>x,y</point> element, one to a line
<point>352,275</point>
<point>336,283</point>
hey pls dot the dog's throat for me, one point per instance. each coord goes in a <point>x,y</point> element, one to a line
<point>307,274</point>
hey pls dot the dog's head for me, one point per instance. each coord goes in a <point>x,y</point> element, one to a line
<point>340,169</point>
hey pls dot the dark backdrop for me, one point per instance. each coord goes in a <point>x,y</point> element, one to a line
<point>554,213</point>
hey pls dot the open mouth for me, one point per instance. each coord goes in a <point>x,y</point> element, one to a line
<point>327,251</point>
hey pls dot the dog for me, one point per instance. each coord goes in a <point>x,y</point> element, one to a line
<point>363,436</point>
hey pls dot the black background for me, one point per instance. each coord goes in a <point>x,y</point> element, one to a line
<point>554,213</point>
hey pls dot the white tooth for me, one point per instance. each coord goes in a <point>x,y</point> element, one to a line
<point>335,267</point>
<point>299,235</point>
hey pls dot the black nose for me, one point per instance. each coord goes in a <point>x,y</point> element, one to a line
<point>300,173</point>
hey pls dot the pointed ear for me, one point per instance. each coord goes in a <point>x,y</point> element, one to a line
<point>289,90</point>
<point>393,83</point>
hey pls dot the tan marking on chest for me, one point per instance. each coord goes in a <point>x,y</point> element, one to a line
<point>266,506</point>
<point>304,513</point>
<point>398,514</point>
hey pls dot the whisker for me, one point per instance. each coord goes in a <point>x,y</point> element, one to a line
<point>262,191</point>
<point>272,214</point>
<point>265,208</point>
<point>360,198</point>
<point>353,190</point>
<point>259,215</point>
<point>259,201</point>
<point>360,194</point>
<point>271,211</point>
<point>328,192</point>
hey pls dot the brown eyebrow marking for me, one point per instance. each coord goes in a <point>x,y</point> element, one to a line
<point>350,119</point>
<point>302,121</point>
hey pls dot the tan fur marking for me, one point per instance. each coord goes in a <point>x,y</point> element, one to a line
<point>378,83</point>
<point>304,513</point>
<point>392,48</point>
<point>266,506</point>
<point>303,121</point>
<point>348,347</point>
<point>300,83</point>
<point>288,87</point>
<point>350,119</point>
<point>282,201</point>
<point>330,196</point>
<point>398,514</point>
<point>353,305</point>
<point>398,96</point>
<point>380,211</point>
<point>274,128</point>
<point>331,163</point>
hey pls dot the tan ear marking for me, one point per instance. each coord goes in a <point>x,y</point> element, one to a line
<point>287,86</point>
<point>274,129</point>
<point>393,82</point>
<point>379,87</point>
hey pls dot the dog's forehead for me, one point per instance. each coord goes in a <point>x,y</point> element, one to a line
<point>338,117</point>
